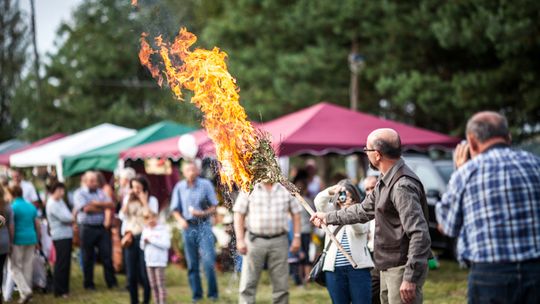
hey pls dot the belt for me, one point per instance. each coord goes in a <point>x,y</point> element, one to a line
<point>491,264</point>
<point>197,221</point>
<point>265,236</point>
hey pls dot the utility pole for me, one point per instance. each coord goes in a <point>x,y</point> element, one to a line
<point>356,64</point>
<point>36,54</point>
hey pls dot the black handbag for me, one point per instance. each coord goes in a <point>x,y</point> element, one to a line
<point>317,274</point>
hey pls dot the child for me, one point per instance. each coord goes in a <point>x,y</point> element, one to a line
<point>155,241</point>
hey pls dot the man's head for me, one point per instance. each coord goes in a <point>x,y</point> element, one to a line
<point>383,148</point>
<point>91,180</point>
<point>369,183</point>
<point>485,129</point>
<point>16,175</point>
<point>125,175</point>
<point>190,171</point>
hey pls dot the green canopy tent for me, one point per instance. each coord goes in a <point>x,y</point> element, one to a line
<point>106,157</point>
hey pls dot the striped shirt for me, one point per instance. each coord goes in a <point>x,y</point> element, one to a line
<point>341,260</point>
<point>492,205</point>
<point>267,211</point>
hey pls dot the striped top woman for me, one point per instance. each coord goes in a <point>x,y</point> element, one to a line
<point>345,283</point>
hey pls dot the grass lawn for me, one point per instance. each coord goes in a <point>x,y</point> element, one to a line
<point>445,285</point>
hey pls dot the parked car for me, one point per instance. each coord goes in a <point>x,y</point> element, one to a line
<point>434,174</point>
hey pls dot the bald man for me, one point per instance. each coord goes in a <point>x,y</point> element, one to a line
<point>492,205</point>
<point>90,203</point>
<point>398,205</point>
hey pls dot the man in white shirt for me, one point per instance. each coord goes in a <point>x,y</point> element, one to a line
<point>29,191</point>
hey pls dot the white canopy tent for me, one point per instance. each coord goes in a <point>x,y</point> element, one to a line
<point>51,154</point>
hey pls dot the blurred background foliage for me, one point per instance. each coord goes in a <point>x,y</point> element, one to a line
<point>428,63</point>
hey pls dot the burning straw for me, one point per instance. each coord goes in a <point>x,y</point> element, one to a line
<point>245,155</point>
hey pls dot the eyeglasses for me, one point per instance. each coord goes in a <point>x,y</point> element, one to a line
<point>369,150</point>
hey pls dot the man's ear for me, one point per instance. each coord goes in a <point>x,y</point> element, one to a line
<point>473,144</point>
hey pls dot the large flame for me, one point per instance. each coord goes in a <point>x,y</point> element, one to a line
<point>215,93</point>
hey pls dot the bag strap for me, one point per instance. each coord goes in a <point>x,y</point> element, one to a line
<point>335,234</point>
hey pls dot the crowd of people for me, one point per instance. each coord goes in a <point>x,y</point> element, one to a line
<point>491,207</point>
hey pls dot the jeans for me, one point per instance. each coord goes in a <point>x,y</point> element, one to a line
<point>62,266</point>
<point>92,237</point>
<point>136,271</point>
<point>199,240</point>
<point>348,285</point>
<point>504,283</point>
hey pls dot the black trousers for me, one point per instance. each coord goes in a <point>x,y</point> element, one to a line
<point>96,237</point>
<point>3,258</point>
<point>136,271</point>
<point>62,266</point>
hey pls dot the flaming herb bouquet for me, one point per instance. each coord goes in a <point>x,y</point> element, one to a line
<point>245,154</point>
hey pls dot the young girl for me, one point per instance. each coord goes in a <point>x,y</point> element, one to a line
<point>155,241</point>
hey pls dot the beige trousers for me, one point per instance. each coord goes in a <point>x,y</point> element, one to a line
<point>274,252</point>
<point>391,280</point>
<point>22,261</point>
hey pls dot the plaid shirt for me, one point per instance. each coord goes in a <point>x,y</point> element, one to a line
<point>267,211</point>
<point>493,205</point>
<point>83,196</point>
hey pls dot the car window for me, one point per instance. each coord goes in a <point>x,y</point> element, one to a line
<point>445,171</point>
<point>428,177</point>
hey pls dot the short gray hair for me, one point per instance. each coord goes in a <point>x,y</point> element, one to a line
<point>488,125</point>
<point>389,148</point>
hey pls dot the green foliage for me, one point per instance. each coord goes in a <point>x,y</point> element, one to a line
<point>434,63</point>
<point>95,75</point>
<point>13,44</point>
<point>428,63</point>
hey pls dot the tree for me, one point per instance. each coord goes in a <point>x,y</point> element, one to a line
<point>13,44</point>
<point>95,75</point>
<point>427,63</point>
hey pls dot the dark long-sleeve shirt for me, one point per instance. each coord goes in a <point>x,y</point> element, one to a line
<point>406,217</point>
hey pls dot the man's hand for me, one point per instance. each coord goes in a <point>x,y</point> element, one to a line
<point>241,247</point>
<point>183,223</point>
<point>461,154</point>
<point>295,245</point>
<point>2,221</point>
<point>335,189</point>
<point>407,292</point>
<point>318,219</point>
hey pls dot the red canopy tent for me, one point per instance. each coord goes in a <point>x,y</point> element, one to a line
<point>326,127</point>
<point>168,148</point>
<point>4,158</point>
<point>317,130</point>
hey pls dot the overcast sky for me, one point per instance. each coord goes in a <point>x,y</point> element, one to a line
<point>49,15</point>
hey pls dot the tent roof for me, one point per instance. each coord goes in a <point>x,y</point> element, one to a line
<point>168,148</point>
<point>11,145</point>
<point>325,128</point>
<point>4,157</point>
<point>106,157</point>
<point>53,152</point>
<point>317,130</point>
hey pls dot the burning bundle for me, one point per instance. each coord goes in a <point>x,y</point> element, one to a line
<point>245,154</point>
